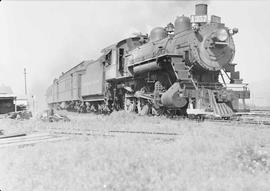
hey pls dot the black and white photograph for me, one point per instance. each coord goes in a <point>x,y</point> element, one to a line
<point>133,95</point>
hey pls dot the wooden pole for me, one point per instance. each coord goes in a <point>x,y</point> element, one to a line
<point>25,86</point>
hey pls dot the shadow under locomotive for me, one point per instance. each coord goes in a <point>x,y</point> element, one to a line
<point>181,69</point>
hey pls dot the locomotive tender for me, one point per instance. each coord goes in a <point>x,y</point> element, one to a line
<point>185,68</point>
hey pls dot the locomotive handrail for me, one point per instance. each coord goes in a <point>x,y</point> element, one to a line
<point>221,83</point>
<point>133,63</point>
<point>243,86</point>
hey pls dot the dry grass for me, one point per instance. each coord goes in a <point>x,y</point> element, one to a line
<point>205,156</point>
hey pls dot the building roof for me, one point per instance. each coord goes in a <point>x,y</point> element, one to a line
<point>6,92</point>
<point>5,89</point>
<point>5,96</point>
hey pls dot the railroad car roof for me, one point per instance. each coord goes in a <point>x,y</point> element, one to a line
<point>81,64</point>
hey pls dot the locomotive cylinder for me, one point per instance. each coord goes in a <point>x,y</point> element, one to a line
<point>173,98</point>
<point>201,9</point>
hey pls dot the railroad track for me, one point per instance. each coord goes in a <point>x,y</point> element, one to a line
<point>58,134</point>
<point>110,133</point>
<point>25,139</point>
<point>113,133</point>
<point>252,119</point>
<point>250,122</point>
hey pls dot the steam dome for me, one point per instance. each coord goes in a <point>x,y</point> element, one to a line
<point>158,33</point>
<point>181,24</point>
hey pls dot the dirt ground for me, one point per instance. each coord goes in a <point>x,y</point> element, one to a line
<point>194,156</point>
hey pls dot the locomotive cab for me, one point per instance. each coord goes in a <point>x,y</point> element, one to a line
<point>114,57</point>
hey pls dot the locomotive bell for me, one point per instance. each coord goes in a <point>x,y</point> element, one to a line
<point>158,33</point>
<point>182,24</point>
<point>169,28</point>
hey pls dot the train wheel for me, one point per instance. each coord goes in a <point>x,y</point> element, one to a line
<point>129,105</point>
<point>158,111</point>
<point>143,109</point>
<point>103,108</point>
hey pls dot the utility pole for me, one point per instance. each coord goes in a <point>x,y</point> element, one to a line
<point>25,87</point>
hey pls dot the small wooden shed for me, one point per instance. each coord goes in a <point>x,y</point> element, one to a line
<point>7,100</point>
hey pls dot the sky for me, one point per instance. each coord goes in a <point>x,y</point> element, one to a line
<point>49,37</point>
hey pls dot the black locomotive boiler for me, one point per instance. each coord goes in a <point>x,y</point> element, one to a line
<point>183,68</point>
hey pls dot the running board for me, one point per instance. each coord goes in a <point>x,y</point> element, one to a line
<point>220,109</point>
<point>210,107</point>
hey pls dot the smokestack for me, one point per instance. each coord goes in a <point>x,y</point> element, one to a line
<point>201,9</point>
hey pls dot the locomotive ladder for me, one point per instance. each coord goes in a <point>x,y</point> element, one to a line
<point>182,73</point>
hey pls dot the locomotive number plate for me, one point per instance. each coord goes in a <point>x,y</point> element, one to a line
<point>198,18</point>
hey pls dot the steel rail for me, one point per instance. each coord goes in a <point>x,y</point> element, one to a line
<point>29,139</point>
<point>112,133</point>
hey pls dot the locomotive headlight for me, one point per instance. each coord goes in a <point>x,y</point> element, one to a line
<point>222,35</point>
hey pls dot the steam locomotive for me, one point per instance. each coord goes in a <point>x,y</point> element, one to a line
<point>183,68</point>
